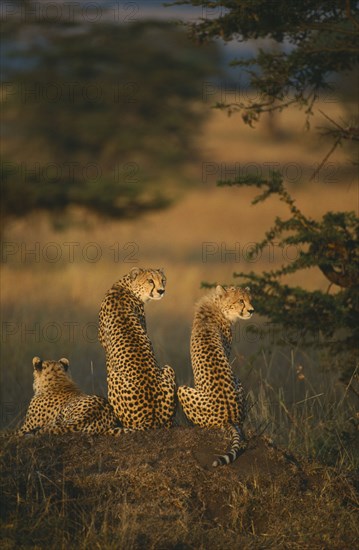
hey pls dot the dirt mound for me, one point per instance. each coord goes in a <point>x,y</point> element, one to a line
<point>158,490</point>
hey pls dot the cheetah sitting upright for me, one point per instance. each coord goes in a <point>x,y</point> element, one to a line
<point>141,393</point>
<point>58,406</point>
<point>217,400</point>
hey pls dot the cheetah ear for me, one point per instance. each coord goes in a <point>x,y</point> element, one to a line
<point>65,362</point>
<point>247,290</point>
<point>37,363</point>
<point>134,272</point>
<point>220,290</point>
<point>161,270</point>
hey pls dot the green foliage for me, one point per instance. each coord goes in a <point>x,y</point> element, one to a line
<point>330,244</point>
<point>98,114</point>
<point>307,43</point>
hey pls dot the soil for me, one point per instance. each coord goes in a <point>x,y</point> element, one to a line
<point>158,490</point>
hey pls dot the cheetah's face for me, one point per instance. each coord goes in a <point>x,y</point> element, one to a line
<point>148,284</point>
<point>46,372</point>
<point>235,302</point>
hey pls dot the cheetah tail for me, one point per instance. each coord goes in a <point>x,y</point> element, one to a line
<point>118,431</point>
<point>238,446</point>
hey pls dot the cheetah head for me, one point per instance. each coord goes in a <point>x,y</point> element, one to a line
<point>234,302</point>
<point>148,284</point>
<point>47,373</point>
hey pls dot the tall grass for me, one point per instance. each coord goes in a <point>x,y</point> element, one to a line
<point>50,308</point>
<point>301,404</point>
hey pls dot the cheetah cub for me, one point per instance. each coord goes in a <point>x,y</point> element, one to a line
<point>217,400</point>
<point>141,392</point>
<point>58,406</point>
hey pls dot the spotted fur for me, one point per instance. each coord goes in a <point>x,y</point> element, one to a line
<point>141,393</point>
<point>58,406</point>
<point>217,399</point>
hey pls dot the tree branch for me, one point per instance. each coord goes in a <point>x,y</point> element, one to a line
<point>327,156</point>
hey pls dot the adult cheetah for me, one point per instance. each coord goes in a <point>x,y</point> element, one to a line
<point>217,400</point>
<point>58,406</point>
<point>141,393</point>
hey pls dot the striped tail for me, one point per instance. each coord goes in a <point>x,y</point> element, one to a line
<point>238,446</point>
<point>118,431</point>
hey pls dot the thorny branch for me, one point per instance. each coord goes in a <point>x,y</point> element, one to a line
<point>350,133</point>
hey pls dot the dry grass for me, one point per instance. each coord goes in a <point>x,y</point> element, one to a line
<point>158,491</point>
<point>162,493</point>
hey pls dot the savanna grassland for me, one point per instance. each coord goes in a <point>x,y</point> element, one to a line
<point>157,490</point>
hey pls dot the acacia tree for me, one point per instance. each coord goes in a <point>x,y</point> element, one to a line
<point>312,41</point>
<point>319,38</point>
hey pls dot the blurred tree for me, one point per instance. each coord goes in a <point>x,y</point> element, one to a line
<point>98,114</point>
<point>319,41</point>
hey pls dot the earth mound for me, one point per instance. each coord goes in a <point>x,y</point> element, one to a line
<point>158,490</point>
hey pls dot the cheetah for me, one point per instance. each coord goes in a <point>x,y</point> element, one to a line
<point>58,406</point>
<point>141,393</point>
<point>218,399</point>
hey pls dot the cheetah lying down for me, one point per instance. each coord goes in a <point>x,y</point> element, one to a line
<point>58,406</point>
